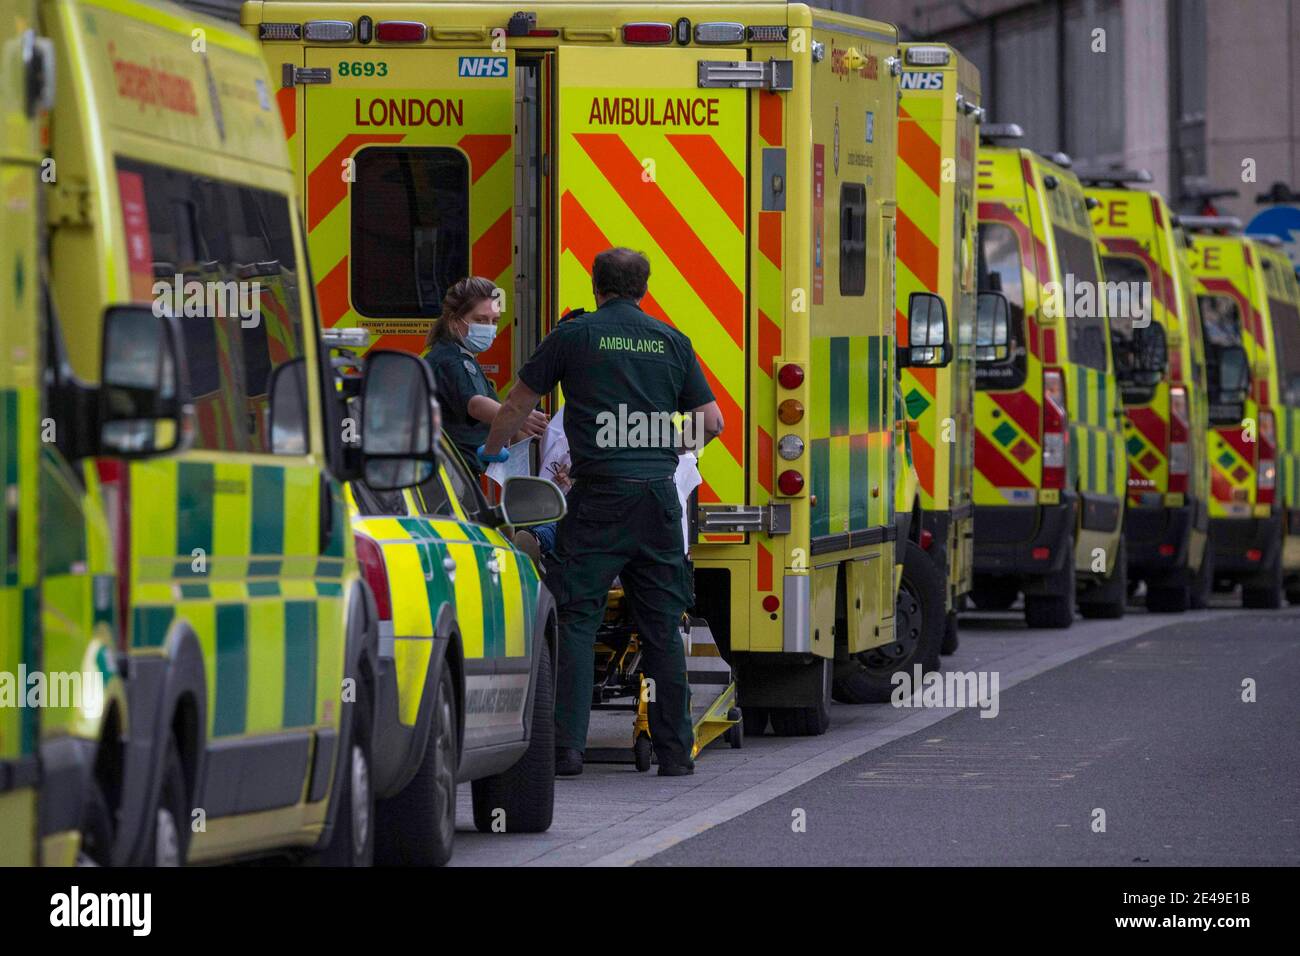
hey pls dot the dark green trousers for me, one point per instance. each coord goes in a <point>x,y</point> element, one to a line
<point>631,530</point>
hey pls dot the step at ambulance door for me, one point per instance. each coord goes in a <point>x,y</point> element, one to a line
<point>409,159</point>
<point>649,160</point>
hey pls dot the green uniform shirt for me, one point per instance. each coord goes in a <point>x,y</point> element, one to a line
<point>458,377</point>
<point>624,374</point>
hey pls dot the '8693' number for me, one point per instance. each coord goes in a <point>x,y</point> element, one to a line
<point>362,68</point>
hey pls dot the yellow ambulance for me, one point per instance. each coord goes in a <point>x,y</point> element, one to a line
<point>1247,293</point>
<point>1160,364</point>
<point>749,150</point>
<point>1050,466</point>
<point>938,113</point>
<point>190,349</point>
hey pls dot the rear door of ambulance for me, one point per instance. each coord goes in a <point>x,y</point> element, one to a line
<point>649,159</point>
<point>408,160</point>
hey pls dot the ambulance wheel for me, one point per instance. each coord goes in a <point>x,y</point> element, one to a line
<point>735,734</point>
<point>918,635</point>
<point>96,828</point>
<point>755,720</point>
<point>950,636</point>
<point>994,594</point>
<point>807,721</point>
<point>352,843</point>
<point>522,798</point>
<point>1055,610</point>
<point>1108,598</point>
<point>417,827</point>
<point>641,752</point>
<point>1203,582</point>
<point>1264,591</point>
<point>170,837</point>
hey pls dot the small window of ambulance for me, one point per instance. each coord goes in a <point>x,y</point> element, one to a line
<point>410,229</point>
<point>1286,338</point>
<point>853,239</point>
<point>1086,332</point>
<point>998,270</point>
<point>220,255</point>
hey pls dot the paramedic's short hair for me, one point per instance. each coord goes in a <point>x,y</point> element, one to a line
<point>620,272</point>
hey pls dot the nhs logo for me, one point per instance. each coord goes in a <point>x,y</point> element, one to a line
<point>912,80</point>
<point>483,66</point>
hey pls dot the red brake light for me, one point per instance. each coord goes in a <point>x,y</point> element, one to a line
<point>790,483</point>
<point>647,33</point>
<point>1179,452</point>
<point>790,376</point>
<point>371,558</point>
<point>1056,437</point>
<point>927,539</point>
<point>1266,472</point>
<point>400,31</point>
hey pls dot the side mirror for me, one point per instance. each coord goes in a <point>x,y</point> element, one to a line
<point>528,501</point>
<point>143,393</point>
<point>992,327</point>
<point>287,409</point>
<point>927,323</point>
<point>399,421</point>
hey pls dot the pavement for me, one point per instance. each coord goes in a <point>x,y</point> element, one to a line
<point>1141,718</point>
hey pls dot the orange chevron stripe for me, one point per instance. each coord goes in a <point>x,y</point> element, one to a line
<point>715,172</point>
<point>769,236</point>
<point>332,294</point>
<point>764,575</point>
<point>923,459</point>
<point>925,377</point>
<point>917,252</point>
<point>492,251</point>
<point>580,235</point>
<point>483,149</point>
<point>918,150</point>
<point>771,116</point>
<point>670,231</point>
<point>769,343</point>
<point>326,187</point>
<point>287,99</point>
<point>765,460</point>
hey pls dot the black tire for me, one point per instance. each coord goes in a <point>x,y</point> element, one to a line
<point>951,638</point>
<point>994,594</point>
<point>96,828</point>
<point>755,720</point>
<point>735,734</point>
<point>417,827</point>
<point>918,632</point>
<point>525,792</point>
<point>352,842</point>
<point>1108,598</point>
<point>1056,610</point>
<point>1203,582</point>
<point>806,721</point>
<point>169,835</point>
<point>642,752</point>
<point>1264,590</point>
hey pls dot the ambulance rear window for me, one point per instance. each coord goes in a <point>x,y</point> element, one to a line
<point>1220,320</point>
<point>410,229</point>
<point>853,239</point>
<point>1085,325</point>
<point>999,271</point>
<point>1286,337</point>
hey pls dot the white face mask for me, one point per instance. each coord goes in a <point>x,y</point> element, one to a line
<point>479,336</point>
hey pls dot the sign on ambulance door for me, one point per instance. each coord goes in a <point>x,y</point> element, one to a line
<point>409,158</point>
<point>649,160</point>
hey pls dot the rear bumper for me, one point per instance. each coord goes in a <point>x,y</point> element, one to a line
<point>1148,530</point>
<point>1232,538</point>
<point>1008,536</point>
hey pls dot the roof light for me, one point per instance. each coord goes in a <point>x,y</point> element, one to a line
<point>682,31</point>
<point>927,55</point>
<point>991,131</point>
<point>1210,223</point>
<point>1116,176</point>
<point>365,29</point>
<point>279,31</point>
<point>400,31</point>
<point>647,33</point>
<point>720,32</point>
<point>544,33</point>
<point>768,34</point>
<point>328,31</point>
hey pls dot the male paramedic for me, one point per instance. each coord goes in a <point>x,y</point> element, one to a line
<point>624,375</point>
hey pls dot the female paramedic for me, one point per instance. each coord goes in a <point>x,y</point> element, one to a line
<point>466,327</point>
